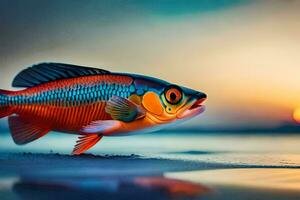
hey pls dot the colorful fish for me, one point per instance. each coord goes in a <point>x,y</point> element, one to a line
<point>92,103</point>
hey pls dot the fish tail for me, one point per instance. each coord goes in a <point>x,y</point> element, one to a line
<point>5,108</point>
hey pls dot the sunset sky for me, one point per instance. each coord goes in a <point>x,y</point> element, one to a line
<point>243,54</point>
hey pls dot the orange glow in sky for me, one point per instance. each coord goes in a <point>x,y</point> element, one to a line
<point>296,115</point>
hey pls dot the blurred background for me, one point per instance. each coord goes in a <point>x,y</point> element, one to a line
<point>243,54</point>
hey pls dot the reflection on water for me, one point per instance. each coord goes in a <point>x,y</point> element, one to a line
<point>107,188</point>
<point>282,179</point>
<point>43,176</point>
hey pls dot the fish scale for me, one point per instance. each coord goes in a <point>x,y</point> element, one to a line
<point>72,95</point>
<point>75,104</point>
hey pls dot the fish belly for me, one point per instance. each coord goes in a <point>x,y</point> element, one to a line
<point>63,119</point>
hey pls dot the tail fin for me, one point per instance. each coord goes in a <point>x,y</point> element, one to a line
<point>5,109</point>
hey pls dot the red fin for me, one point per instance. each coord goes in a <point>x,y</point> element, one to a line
<point>85,142</point>
<point>24,132</point>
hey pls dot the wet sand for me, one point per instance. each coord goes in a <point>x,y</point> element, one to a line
<point>42,176</point>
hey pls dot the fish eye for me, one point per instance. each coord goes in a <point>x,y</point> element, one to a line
<point>173,95</point>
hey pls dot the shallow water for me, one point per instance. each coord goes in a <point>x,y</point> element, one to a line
<point>263,150</point>
<point>163,166</point>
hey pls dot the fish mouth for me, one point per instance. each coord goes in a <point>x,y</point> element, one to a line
<point>197,103</point>
<point>193,108</point>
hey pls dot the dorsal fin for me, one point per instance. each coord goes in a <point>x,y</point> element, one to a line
<point>46,72</point>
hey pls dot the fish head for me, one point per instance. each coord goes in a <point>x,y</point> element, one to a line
<point>182,102</point>
<point>165,102</point>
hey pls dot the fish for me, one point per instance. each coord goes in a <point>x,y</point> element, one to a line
<point>92,103</point>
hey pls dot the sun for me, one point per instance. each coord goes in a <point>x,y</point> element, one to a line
<point>296,115</point>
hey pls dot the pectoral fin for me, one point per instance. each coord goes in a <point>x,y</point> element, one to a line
<point>85,142</point>
<point>123,109</point>
<point>102,127</point>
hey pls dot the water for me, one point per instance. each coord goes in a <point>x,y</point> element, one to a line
<point>274,150</point>
<point>163,166</point>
